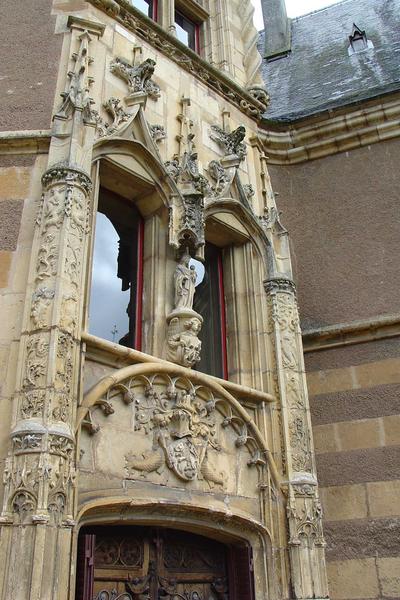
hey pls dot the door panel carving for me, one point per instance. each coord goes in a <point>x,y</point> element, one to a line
<point>142,563</point>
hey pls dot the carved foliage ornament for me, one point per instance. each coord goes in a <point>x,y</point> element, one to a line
<point>77,95</point>
<point>158,132</point>
<point>283,315</point>
<point>70,175</point>
<point>118,115</point>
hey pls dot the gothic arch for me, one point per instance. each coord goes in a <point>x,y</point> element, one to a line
<point>248,222</point>
<point>231,528</point>
<point>138,159</point>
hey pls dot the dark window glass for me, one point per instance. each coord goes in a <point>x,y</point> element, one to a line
<point>186,30</point>
<point>207,302</point>
<point>146,6</point>
<point>116,273</point>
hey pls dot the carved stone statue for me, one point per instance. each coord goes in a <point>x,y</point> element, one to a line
<point>185,282</point>
<point>183,344</point>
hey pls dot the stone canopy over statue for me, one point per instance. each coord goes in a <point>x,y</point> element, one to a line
<point>184,324</point>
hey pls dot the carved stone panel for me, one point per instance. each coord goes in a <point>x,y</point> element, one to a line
<point>174,432</point>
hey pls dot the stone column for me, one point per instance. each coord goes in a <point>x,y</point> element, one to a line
<point>39,498</point>
<point>306,542</point>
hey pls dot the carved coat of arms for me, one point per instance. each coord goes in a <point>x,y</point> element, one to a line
<point>184,430</point>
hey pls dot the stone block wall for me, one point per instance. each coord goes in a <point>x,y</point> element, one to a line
<point>356,423</point>
<point>29,58</point>
<point>341,215</point>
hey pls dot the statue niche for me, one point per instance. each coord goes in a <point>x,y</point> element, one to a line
<point>184,324</point>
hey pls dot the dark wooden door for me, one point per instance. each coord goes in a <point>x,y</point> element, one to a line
<point>140,563</point>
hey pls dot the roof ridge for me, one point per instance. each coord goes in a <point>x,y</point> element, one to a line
<point>318,10</point>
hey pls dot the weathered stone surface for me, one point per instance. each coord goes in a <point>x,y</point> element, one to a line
<point>362,538</point>
<point>344,502</point>
<point>358,466</point>
<point>11,212</point>
<point>383,498</point>
<point>355,404</point>
<point>353,579</point>
<point>5,262</point>
<point>340,289</point>
<point>29,80</point>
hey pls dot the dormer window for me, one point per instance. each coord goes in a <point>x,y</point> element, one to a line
<point>358,41</point>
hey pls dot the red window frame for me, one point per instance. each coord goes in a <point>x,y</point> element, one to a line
<point>139,288</point>
<point>196,29</point>
<point>197,38</point>
<point>222,308</point>
<point>154,15</point>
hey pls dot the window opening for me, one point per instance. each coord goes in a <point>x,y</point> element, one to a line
<point>187,31</point>
<point>209,302</point>
<point>148,7</point>
<point>115,310</point>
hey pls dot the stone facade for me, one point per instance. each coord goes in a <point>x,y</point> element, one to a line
<point>94,433</point>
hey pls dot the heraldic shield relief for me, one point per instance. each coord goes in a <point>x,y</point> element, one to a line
<point>184,430</point>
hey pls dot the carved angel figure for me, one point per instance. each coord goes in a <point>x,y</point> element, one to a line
<point>185,282</point>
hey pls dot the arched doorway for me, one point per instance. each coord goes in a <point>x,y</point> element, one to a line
<point>157,563</point>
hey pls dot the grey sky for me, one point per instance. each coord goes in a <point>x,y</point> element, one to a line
<point>294,8</point>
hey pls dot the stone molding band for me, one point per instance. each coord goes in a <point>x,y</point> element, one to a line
<point>330,132</point>
<point>345,334</point>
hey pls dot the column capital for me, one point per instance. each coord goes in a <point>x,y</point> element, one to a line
<point>277,285</point>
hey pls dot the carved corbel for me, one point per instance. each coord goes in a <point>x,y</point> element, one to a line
<point>157,132</point>
<point>184,324</point>
<point>231,143</point>
<point>260,94</point>
<point>138,79</point>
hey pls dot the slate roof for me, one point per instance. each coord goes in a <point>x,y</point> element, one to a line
<point>319,74</point>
